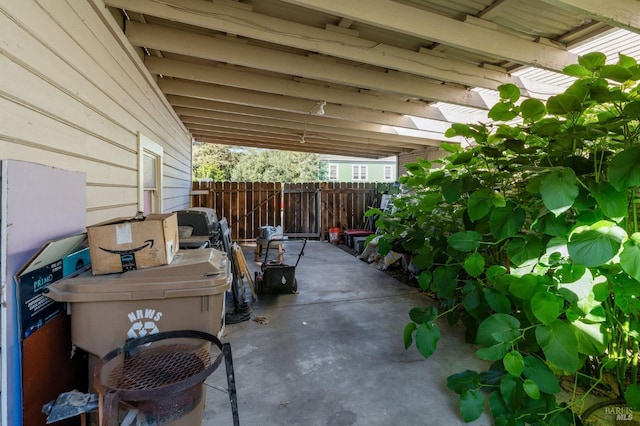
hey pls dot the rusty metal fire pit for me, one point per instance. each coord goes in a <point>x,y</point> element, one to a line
<point>160,375</point>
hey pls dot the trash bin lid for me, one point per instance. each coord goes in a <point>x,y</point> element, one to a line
<point>194,263</point>
<point>192,273</point>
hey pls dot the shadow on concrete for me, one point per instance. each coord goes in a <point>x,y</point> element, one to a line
<point>333,354</point>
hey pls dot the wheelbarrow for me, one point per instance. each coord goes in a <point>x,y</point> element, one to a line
<point>277,277</point>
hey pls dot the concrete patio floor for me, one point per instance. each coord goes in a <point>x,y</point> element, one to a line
<point>333,353</point>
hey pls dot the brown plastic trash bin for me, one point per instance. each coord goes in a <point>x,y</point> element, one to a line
<point>106,310</point>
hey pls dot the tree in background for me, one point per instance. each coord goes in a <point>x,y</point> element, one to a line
<point>277,166</point>
<point>213,161</point>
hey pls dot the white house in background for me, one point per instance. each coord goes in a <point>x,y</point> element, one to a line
<point>356,169</point>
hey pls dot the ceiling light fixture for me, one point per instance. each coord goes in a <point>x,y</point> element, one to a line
<point>320,108</point>
<point>317,109</point>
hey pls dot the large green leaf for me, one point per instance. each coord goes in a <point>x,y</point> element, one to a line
<point>498,409</point>
<point>498,328</point>
<point>540,373</point>
<point>623,285</point>
<point>445,281</point>
<point>452,190</point>
<point>502,111</point>
<point>455,147</point>
<point>632,397</point>
<point>462,157</point>
<point>563,104</point>
<point>407,335</point>
<point>493,353</point>
<point>559,345</point>
<point>632,109</point>
<point>509,92</point>
<point>474,265</point>
<point>580,88</point>
<point>551,224</point>
<point>614,203</point>
<point>513,363</point>
<point>575,282</point>
<point>421,315</point>
<point>524,251</point>
<point>615,73</point>
<point>511,391</point>
<point>424,280</point>
<point>506,221</point>
<point>434,178</point>
<point>525,287</point>
<point>626,61</point>
<point>465,241</point>
<point>422,260</point>
<point>427,336</point>
<point>546,307</point>
<point>495,271</point>
<point>480,204</point>
<point>472,299</point>
<point>559,189</point>
<point>497,301</point>
<point>630,259</point>
<point>597,244</point>
<point>532,109</point>
<point>531,389</point>
<point>471,404</point>
<point>591,340</point>
<point>593,60</point>
<point>624,168</point>
<point>467,379</point>
<point>576,70</point>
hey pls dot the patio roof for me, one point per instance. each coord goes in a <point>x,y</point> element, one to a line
<point>392,75</point>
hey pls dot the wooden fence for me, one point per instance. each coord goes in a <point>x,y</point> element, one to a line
<point>303,209</point>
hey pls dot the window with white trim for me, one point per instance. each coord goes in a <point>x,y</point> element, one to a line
<point>359,172</point>
<point>150,156</point>
<point>388,173</point>
<point>333,172</point>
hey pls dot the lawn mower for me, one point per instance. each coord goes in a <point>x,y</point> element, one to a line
<point>277,277</point>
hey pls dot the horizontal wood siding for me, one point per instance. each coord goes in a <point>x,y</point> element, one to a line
<point>74,95</point>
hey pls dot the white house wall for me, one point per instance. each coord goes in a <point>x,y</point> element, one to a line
<point>74,95</point>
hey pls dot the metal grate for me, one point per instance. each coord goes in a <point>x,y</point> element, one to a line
<point>160,366</point>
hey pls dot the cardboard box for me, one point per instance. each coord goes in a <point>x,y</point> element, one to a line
<point>55,260</point>
<point>127,244</point>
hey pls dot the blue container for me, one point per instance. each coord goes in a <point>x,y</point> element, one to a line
<point>266,232</point>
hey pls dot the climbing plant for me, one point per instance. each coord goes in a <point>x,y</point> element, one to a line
<point>530,239</point>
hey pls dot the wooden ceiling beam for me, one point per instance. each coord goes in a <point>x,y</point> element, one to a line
<point>286,135</point>
<point>298,147</point>
<point>337,44</point>
<point>328,132</point>
<point>210,131</point>
<point>309,121</point>
<point>332,110</point>
<point>377,106</point>
<point>201,46</point>
<point>426,25</point>
<point>208,92</point>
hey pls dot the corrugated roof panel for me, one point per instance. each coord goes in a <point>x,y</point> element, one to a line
<point>456,9</point>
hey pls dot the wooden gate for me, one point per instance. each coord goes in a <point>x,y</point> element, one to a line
<point>303,210</point>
